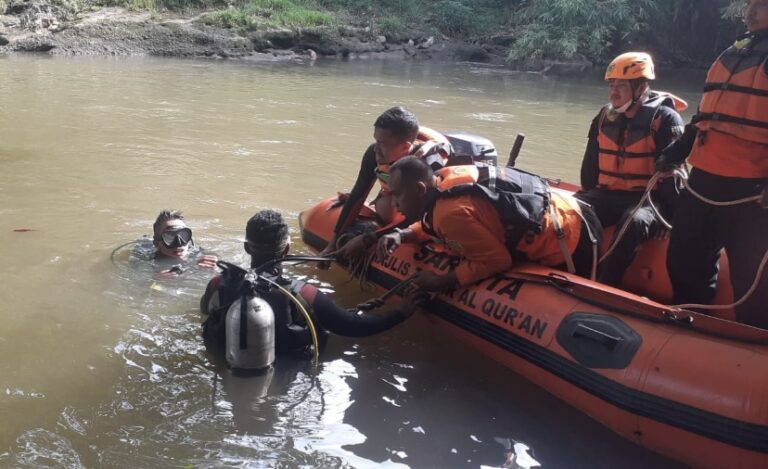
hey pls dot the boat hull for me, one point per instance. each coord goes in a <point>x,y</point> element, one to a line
<point>691,387</point>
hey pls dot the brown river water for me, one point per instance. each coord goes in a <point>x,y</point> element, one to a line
<point>99,369</point>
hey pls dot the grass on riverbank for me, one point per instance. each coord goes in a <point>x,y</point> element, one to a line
<point>270,13</point>
<point>391,18</point>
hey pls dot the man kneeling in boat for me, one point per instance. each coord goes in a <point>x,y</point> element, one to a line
<point>397,134</point>
<point>489,220</point>
<point>267,240</point>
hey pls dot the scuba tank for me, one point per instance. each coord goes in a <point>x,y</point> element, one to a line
<point>250,330</point>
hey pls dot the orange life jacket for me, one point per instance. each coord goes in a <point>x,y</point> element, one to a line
<point>628,152</point>
<point>525,206</point>
<point>425,135</point>
<point>734,107</point>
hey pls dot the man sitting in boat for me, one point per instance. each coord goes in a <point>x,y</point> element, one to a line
<point>625,141</point>
<point>266,240</point>
<point>489,221</point>
<point>172,243</point>
<point>397,133</point>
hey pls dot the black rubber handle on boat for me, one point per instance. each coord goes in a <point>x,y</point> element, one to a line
<point>585,332</point>
<point>515,152</point>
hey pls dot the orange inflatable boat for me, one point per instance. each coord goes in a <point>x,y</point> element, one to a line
<point>687,385</point>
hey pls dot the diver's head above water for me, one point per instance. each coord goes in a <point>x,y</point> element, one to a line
<point>395,132</point>
<point>266,237</point>
<point>172,237</point>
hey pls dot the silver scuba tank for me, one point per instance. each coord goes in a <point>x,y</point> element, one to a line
<point>250,333</point>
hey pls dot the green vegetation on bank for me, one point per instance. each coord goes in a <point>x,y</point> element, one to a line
<point>678,31</point>
<point>684,32</point>
<point>395,19</point>
<point>257,14</point>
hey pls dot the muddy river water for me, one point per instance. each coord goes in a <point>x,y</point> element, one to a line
<point>101,367</point>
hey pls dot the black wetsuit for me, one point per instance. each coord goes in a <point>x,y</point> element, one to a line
<point>365,181</point>
<point>291,332</point>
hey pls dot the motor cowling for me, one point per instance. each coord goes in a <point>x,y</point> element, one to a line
<point>250,333</point>
<point>469,148</point>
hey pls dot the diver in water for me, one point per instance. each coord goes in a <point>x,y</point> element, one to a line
<point>172,243</point>
<point>267,242</point>
<point>169,252</point>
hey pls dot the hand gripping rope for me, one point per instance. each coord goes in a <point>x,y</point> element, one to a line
<point>682,176</point>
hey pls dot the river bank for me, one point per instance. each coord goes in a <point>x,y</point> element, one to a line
<point>560,38</point>
<point>42,27</point>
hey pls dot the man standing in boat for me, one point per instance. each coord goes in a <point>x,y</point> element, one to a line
<point>489,227</point>
<point>397,133</point>
<point>726,203</point>
<point>625,140</point>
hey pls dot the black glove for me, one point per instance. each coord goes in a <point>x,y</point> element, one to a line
<point>676,152</point>
<point>664,165</point>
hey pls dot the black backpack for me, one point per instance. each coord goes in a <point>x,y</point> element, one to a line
<point>519,197</point>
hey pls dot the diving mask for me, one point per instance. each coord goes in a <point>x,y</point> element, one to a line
<point>176,237</point>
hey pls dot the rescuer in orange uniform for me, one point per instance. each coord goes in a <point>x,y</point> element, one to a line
<point>727,146</point>
<point>551,228</point>
<point>625,140</point>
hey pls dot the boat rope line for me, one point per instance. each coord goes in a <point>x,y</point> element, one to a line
<point>640,204</point>
<point>356,267</point>
<point>681,176</point>
<point>755,284</point>
<point>747,435</point>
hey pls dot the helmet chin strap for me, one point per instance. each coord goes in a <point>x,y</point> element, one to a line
<point>626,106</point>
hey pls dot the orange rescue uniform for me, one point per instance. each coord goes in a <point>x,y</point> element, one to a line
<point>470,227</point>
<point>627,149</point>
<point>733,114</point>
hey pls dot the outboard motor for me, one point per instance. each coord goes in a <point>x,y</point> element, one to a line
<point>250,330</point>
<point>471,149</point>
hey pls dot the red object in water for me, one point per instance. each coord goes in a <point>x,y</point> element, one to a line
<point>23,230</point>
